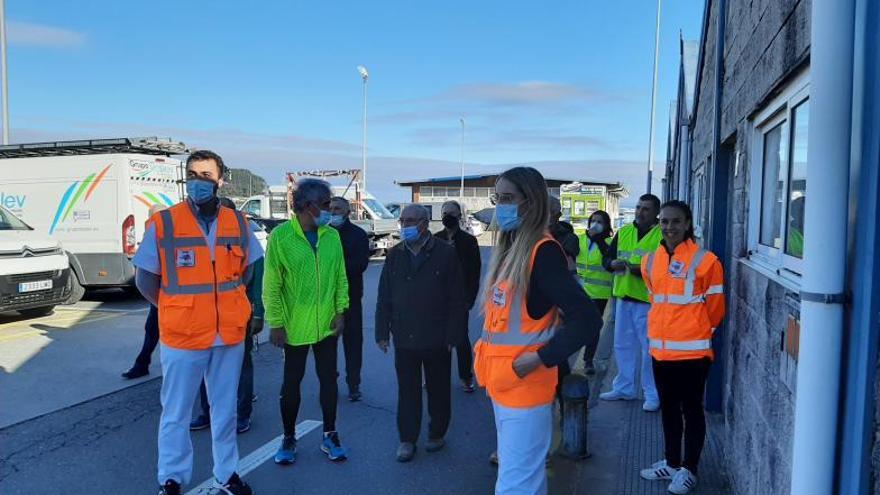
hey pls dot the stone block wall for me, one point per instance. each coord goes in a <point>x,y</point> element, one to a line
<point>766,44</point>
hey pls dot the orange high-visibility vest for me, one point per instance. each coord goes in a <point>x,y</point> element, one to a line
<point>508,332</point>
<point>687,301</point>
<point>200,298</point>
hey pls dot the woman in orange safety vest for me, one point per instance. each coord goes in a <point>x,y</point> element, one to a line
<point>686,285</point>
<point>528,289</point>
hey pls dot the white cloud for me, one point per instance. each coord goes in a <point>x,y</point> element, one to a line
<point>32,34</point>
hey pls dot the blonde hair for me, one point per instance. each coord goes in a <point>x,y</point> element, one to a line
<point>511,258</point>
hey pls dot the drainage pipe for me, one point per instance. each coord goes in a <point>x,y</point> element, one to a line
<point>823,283</point>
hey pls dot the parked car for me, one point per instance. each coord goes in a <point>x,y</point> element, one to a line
<point>34,269</point>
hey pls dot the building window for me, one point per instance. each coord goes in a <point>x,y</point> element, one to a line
<point>483,192</point>
<point>771,187</point>
<point>426,192</point>
<point>797,182</point>
<point>779,181</point>
<point>470,192</point>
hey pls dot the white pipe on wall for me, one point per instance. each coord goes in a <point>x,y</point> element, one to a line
<point>823,282</point>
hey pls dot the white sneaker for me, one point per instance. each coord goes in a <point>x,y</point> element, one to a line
<point>658,471</point>
<point>615,395</point>
<point>651,406</point>
<point>682,482</point>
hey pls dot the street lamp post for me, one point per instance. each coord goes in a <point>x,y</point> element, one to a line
<point>5,82</point>
<point>365,76</point>
<point>461,192</point>
<point>653,99</point>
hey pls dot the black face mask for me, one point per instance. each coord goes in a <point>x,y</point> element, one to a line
<point>450,221</point>
<point>209,209</point>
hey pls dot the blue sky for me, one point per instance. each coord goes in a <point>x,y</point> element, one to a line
<point>273,86</point>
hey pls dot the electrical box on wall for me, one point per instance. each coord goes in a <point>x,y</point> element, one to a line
<point>790,342</point>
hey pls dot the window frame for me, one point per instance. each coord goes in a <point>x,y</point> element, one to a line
<point>779,111</point>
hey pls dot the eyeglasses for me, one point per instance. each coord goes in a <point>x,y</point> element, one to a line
<point>409,222</point>
<point>502,199</point>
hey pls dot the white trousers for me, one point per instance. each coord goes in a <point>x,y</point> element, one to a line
<point>182,372</point>
<point>523,443</point>
<point>631,349</point>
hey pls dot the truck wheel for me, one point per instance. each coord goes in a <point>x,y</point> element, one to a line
<point>74,288</point>
<point>37,312</point>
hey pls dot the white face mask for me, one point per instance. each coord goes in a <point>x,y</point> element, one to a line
<point>597,228</point>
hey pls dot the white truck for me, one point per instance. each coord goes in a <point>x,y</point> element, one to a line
<point>94,197</point>
<point>368,213</point>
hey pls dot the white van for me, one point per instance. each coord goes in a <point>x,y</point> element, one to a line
<point>34,270</point>
<point>94,197</point>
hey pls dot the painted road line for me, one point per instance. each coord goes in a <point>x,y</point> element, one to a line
<point>4,338</point>
<point>102,310</point>
<point>259,456</point>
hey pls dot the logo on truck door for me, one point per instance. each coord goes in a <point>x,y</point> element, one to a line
<point>74,195</point>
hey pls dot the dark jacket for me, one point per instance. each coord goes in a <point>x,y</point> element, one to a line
<point>356,249</point>
<point>421,304</point>
<point>564,234</point>
<point>468,251</point>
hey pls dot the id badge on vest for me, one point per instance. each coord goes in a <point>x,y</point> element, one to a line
<point>676,269</point>
<point>499,297</point>
<point>184,258</point>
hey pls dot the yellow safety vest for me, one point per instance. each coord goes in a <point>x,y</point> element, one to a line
<point>596,279</point>
<point>632,249</point>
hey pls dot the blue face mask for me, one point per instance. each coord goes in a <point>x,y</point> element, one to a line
<point>409,234</point>
<point>323,218</point>
<point>200,190</point>
<point>507,217</point>
<point>337,220</point>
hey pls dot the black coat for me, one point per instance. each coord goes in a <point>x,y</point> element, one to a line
<point>468,251</point>
<point>421,304</point>
<point>356,249</point>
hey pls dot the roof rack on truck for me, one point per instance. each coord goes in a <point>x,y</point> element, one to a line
<point>143,145</point>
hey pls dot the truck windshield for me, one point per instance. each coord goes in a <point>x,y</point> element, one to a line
<point>8,221</point>
<point>378,210</point>
<point>278,206</point>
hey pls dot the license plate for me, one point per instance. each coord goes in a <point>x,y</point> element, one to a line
<point>34,286</point>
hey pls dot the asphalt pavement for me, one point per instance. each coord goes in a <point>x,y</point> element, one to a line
<point>70,424</point>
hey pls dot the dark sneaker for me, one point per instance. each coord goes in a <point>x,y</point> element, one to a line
<point>237,487</point>
<point>468,386</point>
<point>435,444</point>
<point>332,447</point>
<point>170,487</point>
<point>406,452</point>
<point>243,425</point>
<point>200,423</point>
<point>135,372</point>
<point>287,452</point>
<point>354,395</point>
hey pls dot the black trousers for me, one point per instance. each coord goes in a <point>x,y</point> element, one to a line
<point>681,385</point>
<point>590,348</point>
<point>151,339</point>
<point>353,343</point>
<point>464,353</point>
<point>294,370</point>
<point>437,365</point>
<point>245,384</point>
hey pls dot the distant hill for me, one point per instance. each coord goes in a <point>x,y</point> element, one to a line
<point>241,183</point>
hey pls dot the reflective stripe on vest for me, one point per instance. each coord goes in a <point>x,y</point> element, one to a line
<point>168,243</point>
<point>514,335</point>
<point>681,345</point>
<point>688,297</point>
